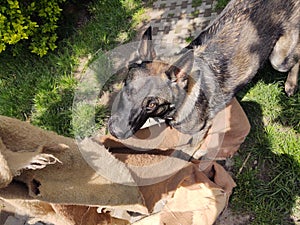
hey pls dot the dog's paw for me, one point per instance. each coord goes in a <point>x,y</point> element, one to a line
<point>290,89</point>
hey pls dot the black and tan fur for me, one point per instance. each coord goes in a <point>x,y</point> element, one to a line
<point>221,60</point>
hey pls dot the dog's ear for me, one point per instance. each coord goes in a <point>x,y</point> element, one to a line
<point>181,69</point>
<point>146,50</point>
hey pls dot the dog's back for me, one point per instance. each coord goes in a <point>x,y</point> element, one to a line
<point>242,38</point>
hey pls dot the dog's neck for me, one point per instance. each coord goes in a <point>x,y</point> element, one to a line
<point>199,103</point>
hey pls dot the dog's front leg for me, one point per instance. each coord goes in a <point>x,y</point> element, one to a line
<point>286,57</point>
<point>291,84</point>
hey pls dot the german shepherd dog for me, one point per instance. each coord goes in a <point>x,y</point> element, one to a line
<point>211,69</point>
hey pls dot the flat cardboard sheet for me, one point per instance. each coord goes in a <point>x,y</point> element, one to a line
<point>44,175</point>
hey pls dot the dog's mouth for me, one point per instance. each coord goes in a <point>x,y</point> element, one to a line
<point>125,122</point>
<point>122,128</point>
<point>152,121</point>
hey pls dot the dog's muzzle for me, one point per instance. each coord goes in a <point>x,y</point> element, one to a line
<point>115,128</point>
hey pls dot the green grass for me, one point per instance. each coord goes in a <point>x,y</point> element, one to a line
<point>221,4</point>
<point>195,13</point>
<point>196,3</point>
<point>189,39</point>
<point>41,89</point>
<point>268,186</point>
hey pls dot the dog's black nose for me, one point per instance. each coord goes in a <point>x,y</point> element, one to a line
<point>115,125</point>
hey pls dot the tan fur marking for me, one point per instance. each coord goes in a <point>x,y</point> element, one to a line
<point>156,68</point>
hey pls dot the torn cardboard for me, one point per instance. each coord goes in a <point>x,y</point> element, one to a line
<point>45,176</point>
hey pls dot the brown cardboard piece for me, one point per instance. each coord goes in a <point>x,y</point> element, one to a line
<point>54,183</point>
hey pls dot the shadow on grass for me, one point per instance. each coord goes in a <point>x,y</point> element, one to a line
<point>290,106</point>
<point>268,184</point>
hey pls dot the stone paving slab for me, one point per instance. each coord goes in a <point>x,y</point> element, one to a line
<point>179,21</point>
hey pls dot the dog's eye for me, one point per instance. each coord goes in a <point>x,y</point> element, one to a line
<point>151,106</point>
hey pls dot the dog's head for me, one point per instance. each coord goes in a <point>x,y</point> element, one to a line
<point>152,89</point>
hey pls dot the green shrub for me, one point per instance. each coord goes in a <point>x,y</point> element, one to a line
<point>33,22</point>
